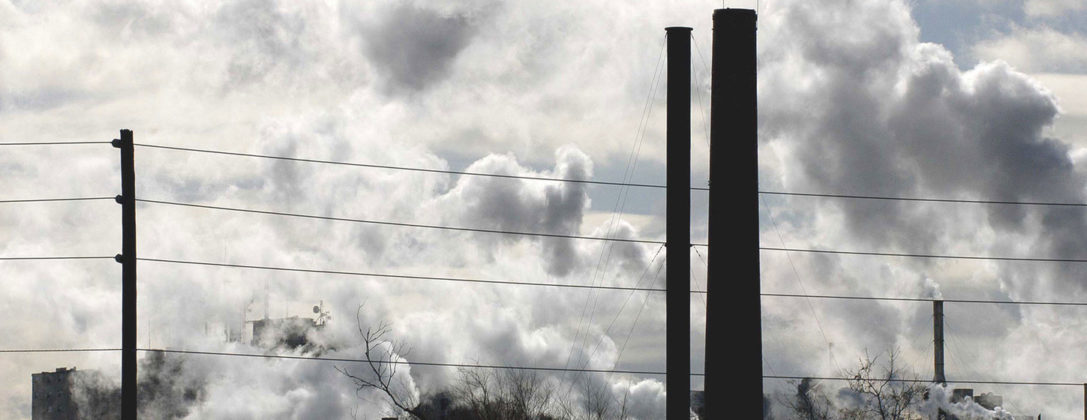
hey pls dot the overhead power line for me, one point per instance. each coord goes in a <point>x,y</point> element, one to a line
<point>933,200</point>
<point>401,224</point>
<point>905,299</point>
<point>403,276</point>
<point>408,168</point>
<point>401,362</point>
<point>52,143</point>
<point>53,258</point>
<point>54,350</point>
<point>43,200</point>
<point>925,381</point>
<point>936,256</point>
<point>800,281</point>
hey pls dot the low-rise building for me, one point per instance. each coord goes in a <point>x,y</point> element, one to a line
<point>70,394</point>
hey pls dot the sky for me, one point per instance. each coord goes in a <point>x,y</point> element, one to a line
<point>972,99</point>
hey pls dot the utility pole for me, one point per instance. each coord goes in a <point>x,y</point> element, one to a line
<point>678,207</point>
<point>938,341</point>
<point>733,266</point>
<point>127,258</point>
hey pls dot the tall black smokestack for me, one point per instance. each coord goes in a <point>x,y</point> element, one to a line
<point>678,208</point>
<point>733,304</point>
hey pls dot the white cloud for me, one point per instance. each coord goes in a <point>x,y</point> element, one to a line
<point>1069,90</point>
<point>851,102</point>
<point>1052,8</point>
<point>1037,50</point>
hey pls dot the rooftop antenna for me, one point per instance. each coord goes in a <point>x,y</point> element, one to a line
<point>322,314</point>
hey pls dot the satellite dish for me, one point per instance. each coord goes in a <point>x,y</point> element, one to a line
<point>316,309</point>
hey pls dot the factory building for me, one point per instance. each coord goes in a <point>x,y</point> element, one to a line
<point>70,394</point>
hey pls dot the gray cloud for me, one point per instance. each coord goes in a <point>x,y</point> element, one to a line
<point>527,206</point>
<point>902,120</point>
<point>851,103</point>
<point>414,47</point>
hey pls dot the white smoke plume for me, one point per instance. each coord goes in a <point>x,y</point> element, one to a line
<point>851,101</point>
<point>939,399</point>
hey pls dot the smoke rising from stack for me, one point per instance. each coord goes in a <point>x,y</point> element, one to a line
<point>852,102</point>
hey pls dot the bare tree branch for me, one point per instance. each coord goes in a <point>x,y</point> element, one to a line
<point>379,352</point>
<point>885,397</point>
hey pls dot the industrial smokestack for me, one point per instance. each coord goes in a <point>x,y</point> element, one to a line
<point>678,208</point>
<point>733,305</point>
<point>938,340</point>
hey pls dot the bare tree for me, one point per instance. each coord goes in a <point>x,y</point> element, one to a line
<point>809,402</point>
<point>891,394</point>
<point>528,392</point>
<point>597,402</point>
<point>480,394</point>
<point>476,392</point>
<point>383,358</point>
<point>512,394</point>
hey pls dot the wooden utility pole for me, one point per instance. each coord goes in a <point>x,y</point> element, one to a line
<point>127,258</point>
<point>733,303</point>
<point>678,242</point>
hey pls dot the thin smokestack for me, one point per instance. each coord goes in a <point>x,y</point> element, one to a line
<point>678,208</point>
<point>938,340</point>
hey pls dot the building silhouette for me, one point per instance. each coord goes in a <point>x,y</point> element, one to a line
<point>70,394</point>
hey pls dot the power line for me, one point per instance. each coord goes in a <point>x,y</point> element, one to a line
<point>707,286</point>
<point>934,200</point>
<point>408,168</point>
<point>607,330</point>
<point>400,362</point>
<point>939,256</point>
<point>799,281</point>
<point>925,381</point>
<point>57,349</point>
<point>52,143</point>
<point>43,200</point>
<point>53,258</point>
<point>905,299</point>
<point>698,283</point>
<point>951,335</point>
<point>401,224</point>
<point>604,257</point>
<point>701,106</point>
<point>619,356</point>
<point>399,276</point>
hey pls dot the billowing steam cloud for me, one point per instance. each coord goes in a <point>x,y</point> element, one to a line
<point>940,400</point>
<point>851,102</point>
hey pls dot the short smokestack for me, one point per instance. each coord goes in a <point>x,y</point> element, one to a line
<point>938,340</point>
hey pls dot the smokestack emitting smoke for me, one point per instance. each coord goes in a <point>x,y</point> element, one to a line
<point>938,341</point>
<point>849,107</point>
